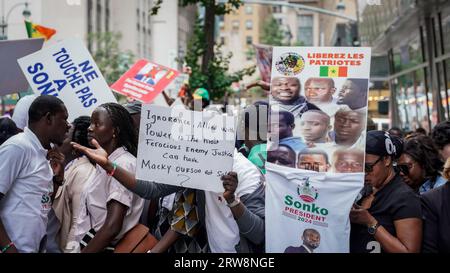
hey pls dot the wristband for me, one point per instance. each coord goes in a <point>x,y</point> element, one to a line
<point>7,247</point>
<point>113,170</point>
<point>234,203</point>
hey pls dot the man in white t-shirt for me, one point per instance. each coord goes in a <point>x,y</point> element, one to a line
<point>223,212</point>
<point>27,180</point>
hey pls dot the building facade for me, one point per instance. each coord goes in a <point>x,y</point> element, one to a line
<point>238,31</point>
<point>412,39</point>
<point>139,30</point>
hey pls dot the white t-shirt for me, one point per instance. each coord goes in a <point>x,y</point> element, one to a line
<point>221,227</point>
<point>26,181</point>
<point>100,190</point>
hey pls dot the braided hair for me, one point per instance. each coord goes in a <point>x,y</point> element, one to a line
<point>80,130</point>
<point>422,149</point>
<point>7,129</point>
<point>123,123</point>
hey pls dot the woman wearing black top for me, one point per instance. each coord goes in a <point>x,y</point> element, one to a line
<point>389,219</point>
<point>436,217</point>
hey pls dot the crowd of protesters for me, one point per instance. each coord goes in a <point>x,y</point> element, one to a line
<point>72,187</point>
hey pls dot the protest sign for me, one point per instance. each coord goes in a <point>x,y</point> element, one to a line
<point>298,200</point>
<point>174,87</point>
<point>319,95</point>
<point>67,70</point>
<point>185,148</point>
<point>264,60</point>
<point>12,79</point>
<point>144,81</point>
<point>325,90</point>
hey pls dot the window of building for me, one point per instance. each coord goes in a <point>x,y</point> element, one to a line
<point>305,29</point>
<point>249,24</point>
<point>89,22</point>
<point>408,55</point>
<point>222,40</point>
<point>221,21</point>
<point>276,9</point>
<point>249,40</point>
<point>248,9</point>
<point>107,15</point>
<point>280,21</point>
<point>99,16</point>
<point>235,24</point>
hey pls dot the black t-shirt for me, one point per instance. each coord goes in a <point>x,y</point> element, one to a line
<point>436,220</point>
<point>395,201</point>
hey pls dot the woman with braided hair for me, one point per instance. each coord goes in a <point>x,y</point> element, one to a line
<point>78,169</point>
<point>420,164</point>
<point>108,210</point>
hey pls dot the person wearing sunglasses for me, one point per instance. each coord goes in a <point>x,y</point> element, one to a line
<point>420,164</point>
<point>436,217</point>
<point>390,218</point>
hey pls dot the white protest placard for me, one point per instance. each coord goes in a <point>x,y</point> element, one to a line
<point>185,148</point>
<point>320,203</point>
<point>68,71</point>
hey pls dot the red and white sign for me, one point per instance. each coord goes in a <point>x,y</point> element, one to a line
<point>144,81</point>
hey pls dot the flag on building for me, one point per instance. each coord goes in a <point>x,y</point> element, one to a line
<point>38,31</point>
<point>333,71</point>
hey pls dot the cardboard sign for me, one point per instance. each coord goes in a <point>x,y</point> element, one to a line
<point>67,70</point>
<point>298,200</point>
<point>185,148</point>
<point>144,81</point>
<point>11,76</point>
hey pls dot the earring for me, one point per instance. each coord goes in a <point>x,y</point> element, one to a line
<point>114,136</point>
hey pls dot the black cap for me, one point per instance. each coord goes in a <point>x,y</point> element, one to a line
<point>133,107</point>
<point>382,144</point>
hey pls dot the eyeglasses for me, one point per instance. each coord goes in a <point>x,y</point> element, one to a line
<point>368,167</point>
<point>404,168</point>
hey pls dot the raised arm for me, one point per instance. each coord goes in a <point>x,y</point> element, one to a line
<point>145,189</point>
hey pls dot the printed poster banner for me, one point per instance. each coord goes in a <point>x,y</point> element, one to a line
<point>68,71</point>
<point>185,148</point>
<point>308,210</point>
<point>264,60</point>
<point>319,100</point>
<point>144,81</point>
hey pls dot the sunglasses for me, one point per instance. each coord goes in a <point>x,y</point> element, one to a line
<point>368,167</point>
<point>404,168</point>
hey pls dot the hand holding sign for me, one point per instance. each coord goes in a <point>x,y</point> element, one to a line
<point>230,183</point>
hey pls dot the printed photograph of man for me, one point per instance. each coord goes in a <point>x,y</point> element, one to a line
<point>348,161</point>
<point>313,160</point>
<point>311,241</point>
<point>314,126</point>
<point>354,93</point>
<point>320,90</point>
<point>281,155</point>
<point>285,92</point>
<point>349,127</point>
<point>281,131</point>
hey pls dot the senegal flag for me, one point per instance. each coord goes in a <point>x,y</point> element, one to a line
<point>333,71</point>
<point>38,31</point>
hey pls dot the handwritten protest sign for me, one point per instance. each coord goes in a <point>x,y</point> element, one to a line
<point>185,148</point>
<point>144,81</point>
<point>67,70</point>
